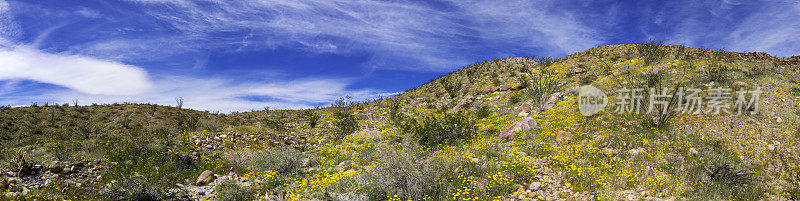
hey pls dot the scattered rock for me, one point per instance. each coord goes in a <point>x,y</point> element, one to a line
<point>738,85</point>
<point>351,197</point>
<point>461,104</point>
<point>610,151</point>
<point>511,87</point>
<point>55,168</point>
<point>636,151</point>
<point>525,107</point>
<point>535,186</point>
<point>344,165</point>
<point>579,70</point>
<point>523,124</point>
<point>66,170</point>
<point>564,136</point>
<point>205,178</point>
<point>488,90</point>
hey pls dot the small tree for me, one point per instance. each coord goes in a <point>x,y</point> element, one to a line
<point>344,120</point>
<point>179,102</point>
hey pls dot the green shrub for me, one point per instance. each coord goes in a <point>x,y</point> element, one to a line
<point>141,161</point>
<point>212,125</point>
<point>442,128</point>
<point>716,71</point>
<point>228,190</point>
<point>451,85</point>
<point>406,175</point>
<point>652,51</point>
<point>312,118</point>
<point>283,160</point>
<point>483,112</point>
<point>344,121</point>
<point>514,98</point>
<point>395,114</point>
<point>543,82</point>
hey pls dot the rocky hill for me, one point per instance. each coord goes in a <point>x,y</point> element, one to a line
<point>507,129</point>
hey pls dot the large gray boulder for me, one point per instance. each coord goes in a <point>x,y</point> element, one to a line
<point>205,178</point>
<point>523,124</point>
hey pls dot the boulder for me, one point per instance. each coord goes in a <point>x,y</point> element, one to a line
<point>579,70</point>
<point>535,186</point>
<point>489,89</point>
<point>738,85</point>
<point>461,104</point>
<point>205,178</point>
<point>564,136</point>
<point>517,87</point>
<point>523,124</point>
<point>55,168</point>
<point>505,87</point>
<point>525,107</point>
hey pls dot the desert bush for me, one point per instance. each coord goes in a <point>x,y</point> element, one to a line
<point>716,71</point>
<point>408,176</point>
<point>442,128</point>
<point>451,85</point>
<point>312,118</point>
<point>62,150</point>
<point>134,187</point>
<point>542,83</point>
<point>344,121</point>
<point>483,112</point>
<point>228,190</point>
<point>211,124</point>
<point>283,160</point>
<point>142,161</point>
<point>651,51</point>
<point>515,98</point>
<point>395,114</point>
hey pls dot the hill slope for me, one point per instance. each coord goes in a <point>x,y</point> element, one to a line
<point>447,139</point>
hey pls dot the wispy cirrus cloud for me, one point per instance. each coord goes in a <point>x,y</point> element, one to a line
<point>398,35</point>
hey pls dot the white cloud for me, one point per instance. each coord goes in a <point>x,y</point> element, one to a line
<point>226,95</point>
<point>8,29</point>
<point>84,74</point>
<point>88,13</point>
<point>774,29</point>
<point>398,35</point>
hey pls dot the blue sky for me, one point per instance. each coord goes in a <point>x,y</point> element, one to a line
<point>250,54</point>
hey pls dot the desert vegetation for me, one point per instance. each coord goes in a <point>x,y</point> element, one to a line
<point>505,129</point>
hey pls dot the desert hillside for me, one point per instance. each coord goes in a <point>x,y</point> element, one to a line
<point>506,129</point>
